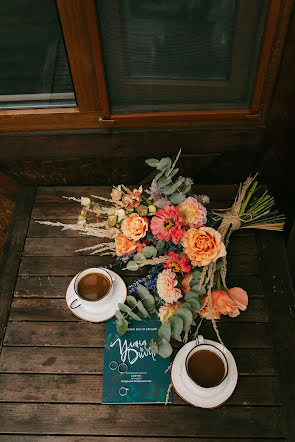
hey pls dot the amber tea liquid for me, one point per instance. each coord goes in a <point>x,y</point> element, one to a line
<point>93,286</point>
<point>206,368</point>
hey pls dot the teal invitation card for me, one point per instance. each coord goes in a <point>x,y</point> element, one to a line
<point>132,374</point>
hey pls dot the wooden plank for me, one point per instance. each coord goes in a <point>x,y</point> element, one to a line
<point>55,286</point>
<point>65,211</point>
<point>39,438</point>
<point>245,244</point>
<point>36,309</point>
<point>12,251</point>
<point>118,420</point>
<point>90,360</point>
<point>70,265</point>
<point>83,334</point>
<point>251,390</point>
<point>278,286</point>
<point>54,194</point>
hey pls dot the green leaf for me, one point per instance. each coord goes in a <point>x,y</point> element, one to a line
<point>197,274</point>
<point>186,189</point>
<point>164,164</point>
<point>164,331</point>
<point>147,299</point>
<point>154,346</point>
<point>152,162</point>
<point>202,290</point>
<point>177,197</point>
<point>191,294</point>
<point>164,181</point>
<point>188,306</point>
<point>119,315</point>
<point>168,190</point>
<point>179,182</point>
<point>132,266</point>
<point>131,301</point>
<point>124,308</point>
<point>121,326</point>
<point>158,175</point>
<point>138,257</point>
<point>196,303</point>
<point>148,251</point>
<point>187,317</point>
<point>141,310</point>
<point>164,349</point>
<point>174,172</point>
<point>176,327</point>
<point>219,264</point>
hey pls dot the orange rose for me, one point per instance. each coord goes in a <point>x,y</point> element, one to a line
<point>124,245</point>
<point>184,282</point>
<point>203,245</point>
<point>134,226</point>
<point>228,302</point>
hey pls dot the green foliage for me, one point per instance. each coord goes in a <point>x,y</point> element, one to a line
<point>160,246</point>
<point>177,197</point>
<point>121,326</point>
<point>164,164</point>
<point>124,308</point>
<point>164,331</point>
<point>164,181</point>
<point>176,324</point>
<point>164,349</point>
<point>149,252</point>
<point>187,317</point>
<point>132,266</point>
<point>152,162</point>
<point>138,257</point>
<point>143,313</point>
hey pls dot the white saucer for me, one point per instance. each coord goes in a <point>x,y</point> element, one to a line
<point>197,396</point>
<point>100,312</point>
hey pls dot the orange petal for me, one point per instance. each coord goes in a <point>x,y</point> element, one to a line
<point>239,296</point>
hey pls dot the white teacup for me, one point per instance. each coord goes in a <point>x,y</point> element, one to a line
<point>76,300</point>
<point>200,345</point>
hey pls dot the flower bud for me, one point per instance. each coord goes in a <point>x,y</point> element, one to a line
<point>120,214</point>
<point>85,201</point>
<point>152,209</point>
<point>96,209</point>
<point>81,220</point>
<point>142,210</point>
<point>112,219</point>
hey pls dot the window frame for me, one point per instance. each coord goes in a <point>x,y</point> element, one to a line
<point>79,17</point>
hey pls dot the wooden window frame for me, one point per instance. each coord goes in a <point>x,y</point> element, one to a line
<point>79,18</point>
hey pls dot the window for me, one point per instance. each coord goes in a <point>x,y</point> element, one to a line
<point>67,64</point>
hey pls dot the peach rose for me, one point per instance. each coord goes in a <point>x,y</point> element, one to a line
<point>124,245</point>
<point>184,282</point>
<point>228,302</point>
<point>134,226</point>
<point>203,246</point>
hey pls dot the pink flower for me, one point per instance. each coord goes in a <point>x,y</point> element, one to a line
<point>134,226</point>
<point>116,193</point>
<point>194,214</point>
<point>178,265</point>
<point>168,310</point>
<point>166,224</point>
<point>228,302</point>
<point>166,283</point>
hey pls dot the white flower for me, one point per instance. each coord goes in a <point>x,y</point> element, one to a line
<point>81,220</point>
<point>85,201</point>
<point>120,214</point>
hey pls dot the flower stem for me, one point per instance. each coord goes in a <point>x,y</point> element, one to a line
<point>250,193</point>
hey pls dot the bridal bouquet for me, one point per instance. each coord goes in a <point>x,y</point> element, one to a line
<point>168,229</point>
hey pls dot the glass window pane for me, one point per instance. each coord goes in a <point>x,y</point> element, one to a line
<point>169,55</point>
<point>34,70</point>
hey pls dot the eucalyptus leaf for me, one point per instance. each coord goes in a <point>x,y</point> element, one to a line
<point>154,346</point>
<point>158,175</point>
<point>132,266</point>
<point>176,327</point>
<point>121,327</point>
<point>196,303</point>
<point>186,189</point>
<point>164,164</point>
<point>187,305</point>
<point>187,317</point>
<point>179,181</point>
<point>138,257</point>
<point>168,190</point>
<point>197,274</point>
<point>192,295</point>
<point>147,299</point>
<point>131,301</point>
<point>152,162</point>
<point>119,315</point>
<point>164,181</point>
<point>164,331</point>
<point>174,172</point>
<point>164,349</point>
<point>124,308</point>
<point>147,252</point>
<point>177,197</point>
<point>141,310</point>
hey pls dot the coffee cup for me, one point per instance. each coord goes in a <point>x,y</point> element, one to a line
<point>206,365</point>
<point>92,288</point>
